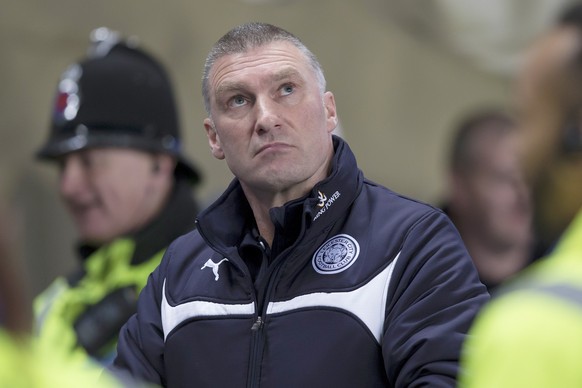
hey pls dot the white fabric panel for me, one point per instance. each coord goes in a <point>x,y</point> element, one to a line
<point>368,302</point>
<point>172,316</point>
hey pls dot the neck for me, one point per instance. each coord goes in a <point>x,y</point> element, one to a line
<point>263,198</point>
<point>262,202</point>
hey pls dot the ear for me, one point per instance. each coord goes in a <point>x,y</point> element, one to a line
<point>213,139</point>
<point>330,111</point>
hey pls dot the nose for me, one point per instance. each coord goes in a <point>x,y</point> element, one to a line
<point>72,177</point>
<point>267,115</point>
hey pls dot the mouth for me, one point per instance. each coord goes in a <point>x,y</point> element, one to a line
<point>80,209</point>
<point>272,147</point>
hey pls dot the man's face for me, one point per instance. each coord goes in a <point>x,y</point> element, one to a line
<point>269,119</point>
<point>108,191</point>
<point>497,194</point>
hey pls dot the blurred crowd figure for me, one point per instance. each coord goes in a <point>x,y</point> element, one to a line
<point>530,334</point>
<point>126,183</point>
<point>488,199</point>
<point>558,189</point>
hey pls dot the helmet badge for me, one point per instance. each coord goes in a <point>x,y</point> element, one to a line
<point>68,99</point>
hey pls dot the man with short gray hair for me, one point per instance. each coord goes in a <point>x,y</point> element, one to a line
<point>303,273</point>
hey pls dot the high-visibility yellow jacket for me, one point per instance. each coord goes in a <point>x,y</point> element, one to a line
<point>86,317</point>
<point>530,335</point>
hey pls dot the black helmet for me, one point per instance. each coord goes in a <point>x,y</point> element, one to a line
<point>119,96</point>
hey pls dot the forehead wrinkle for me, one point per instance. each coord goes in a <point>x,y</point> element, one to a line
<point>260,56</point>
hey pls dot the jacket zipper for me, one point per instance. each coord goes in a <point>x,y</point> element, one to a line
<point>257,331</point>
<point>257,335</point>
<point>256,350</point>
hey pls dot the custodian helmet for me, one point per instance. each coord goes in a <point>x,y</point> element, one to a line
<point>118,96</point>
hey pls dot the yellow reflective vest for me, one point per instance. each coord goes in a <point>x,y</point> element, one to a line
<point>530,335</point>
<point>67,316</point>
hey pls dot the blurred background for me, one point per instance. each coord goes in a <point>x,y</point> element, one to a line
<point>402,71</point>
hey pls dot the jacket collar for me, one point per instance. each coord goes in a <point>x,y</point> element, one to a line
<point>224,223</point>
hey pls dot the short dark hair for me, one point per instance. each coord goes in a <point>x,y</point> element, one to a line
<point>492,120</point>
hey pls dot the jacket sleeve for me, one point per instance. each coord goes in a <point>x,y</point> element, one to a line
<point>140,347</point>
<point>433,298</point>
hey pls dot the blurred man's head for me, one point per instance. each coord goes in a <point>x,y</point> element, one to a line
<point>488,195</point>
<point>549,102</point>
<point>111,192</point>
<point>115,135</point>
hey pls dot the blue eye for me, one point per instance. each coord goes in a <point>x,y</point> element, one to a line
<point>287,89</point>
<point>238,101</point>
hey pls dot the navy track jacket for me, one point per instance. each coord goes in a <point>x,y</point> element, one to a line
<point>362,288</point>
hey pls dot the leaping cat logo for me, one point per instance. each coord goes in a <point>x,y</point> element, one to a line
<point>211,264</point>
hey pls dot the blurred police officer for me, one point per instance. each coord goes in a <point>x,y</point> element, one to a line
<point>126,183</point>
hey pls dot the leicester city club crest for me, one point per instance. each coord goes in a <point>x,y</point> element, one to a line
<point>336,255</point>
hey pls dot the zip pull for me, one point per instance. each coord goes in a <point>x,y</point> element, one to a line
<point>258,324</point>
